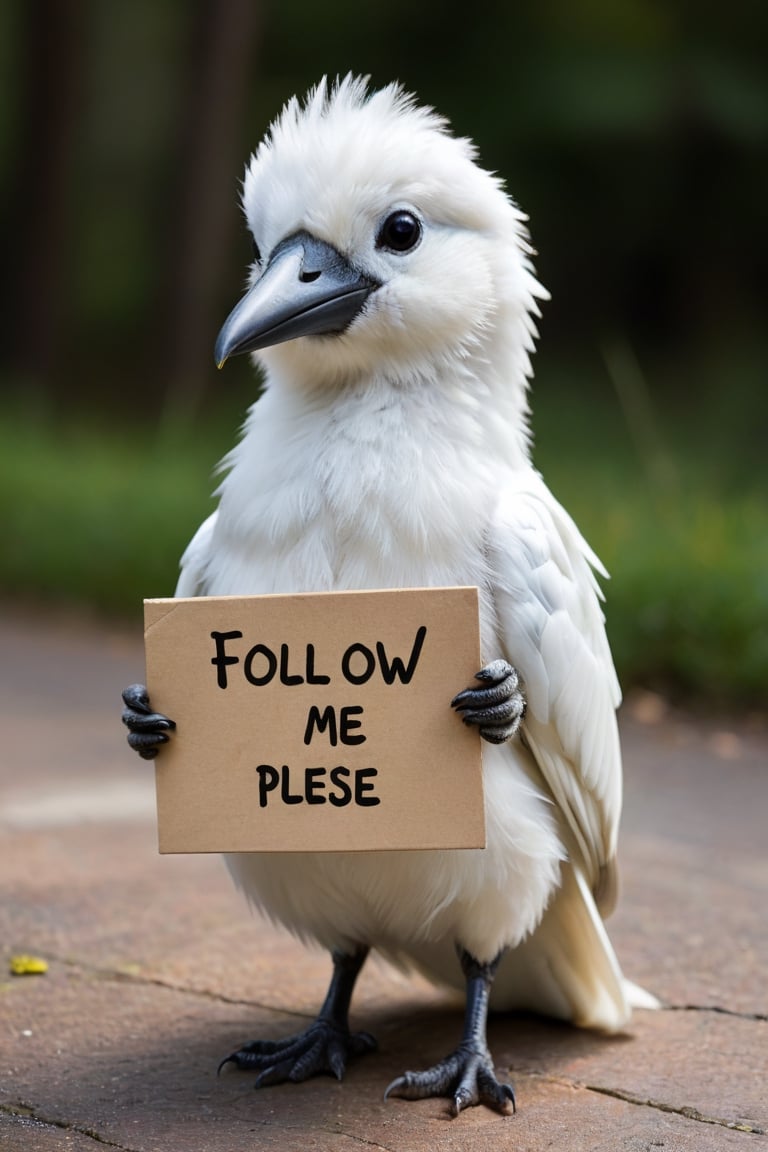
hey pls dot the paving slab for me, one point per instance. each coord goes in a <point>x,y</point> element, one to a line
<point>134,1062</point>
<point>157,969</point>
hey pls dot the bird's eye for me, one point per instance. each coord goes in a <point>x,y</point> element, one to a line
<point>400,232</point>
<point>255,250</point>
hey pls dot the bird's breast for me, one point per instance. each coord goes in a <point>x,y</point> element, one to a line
<point>372,500</point>
<point>363,497</point>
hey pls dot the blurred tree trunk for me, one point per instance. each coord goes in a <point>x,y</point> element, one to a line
<point>221,65</point>
<point>51,37</point>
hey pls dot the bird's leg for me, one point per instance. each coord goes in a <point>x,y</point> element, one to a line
<point>325,1046</point>
<point>466,1075</point>
<point>498,708</point>
<point>147,730</point>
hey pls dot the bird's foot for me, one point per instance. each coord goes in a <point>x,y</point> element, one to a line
<point>147,730</point>
<point>467,1077</point>
<point>321,1048</point>
<point>498,708</point>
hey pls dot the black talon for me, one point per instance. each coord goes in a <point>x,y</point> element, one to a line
<point>496,713</point>
<point>147,743</point>
<point>466,1076</point>
<point>498,708</point>
<point>499,735</point>
<point>148,730</point>
<point>496,670</point>
<point>136,696</point>
<point>498,692</point>
<point>146,722</point>
<point>324,1047</point>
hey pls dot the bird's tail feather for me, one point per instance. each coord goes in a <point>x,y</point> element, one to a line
<point>638,997</point>
<point>567,968</point>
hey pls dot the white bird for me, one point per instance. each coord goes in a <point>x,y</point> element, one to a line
<point>392,303</point>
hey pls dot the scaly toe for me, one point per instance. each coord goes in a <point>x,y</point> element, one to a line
<point>466,1077</point>
<point>322,1048</point>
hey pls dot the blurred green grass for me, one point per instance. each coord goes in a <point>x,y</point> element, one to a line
<point>97,514</point>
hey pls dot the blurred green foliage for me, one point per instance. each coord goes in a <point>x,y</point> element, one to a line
<point>99,517</point>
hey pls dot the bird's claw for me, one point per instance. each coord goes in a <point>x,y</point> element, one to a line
<point>497,708</point>
<point>323,1047</point>
<point>147,730</point>
<point>466,1077</point>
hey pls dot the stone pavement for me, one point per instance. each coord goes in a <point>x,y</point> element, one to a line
<point>157,970</point>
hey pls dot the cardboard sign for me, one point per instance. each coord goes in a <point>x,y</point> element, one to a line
<point>316,722</point>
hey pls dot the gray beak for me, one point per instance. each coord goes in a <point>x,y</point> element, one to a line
<point>307,288</point>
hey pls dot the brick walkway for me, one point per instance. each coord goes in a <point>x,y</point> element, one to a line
<point>157,970</point>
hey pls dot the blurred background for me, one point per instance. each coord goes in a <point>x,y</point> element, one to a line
<point>633,133</point>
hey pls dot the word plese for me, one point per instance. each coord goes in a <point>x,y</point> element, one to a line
<point>339,786</point>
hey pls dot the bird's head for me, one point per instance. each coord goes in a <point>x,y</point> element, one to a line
<point>380,249</point>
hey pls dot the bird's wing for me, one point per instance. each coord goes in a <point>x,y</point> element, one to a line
<point>195,559</point>
<point>552,627</point>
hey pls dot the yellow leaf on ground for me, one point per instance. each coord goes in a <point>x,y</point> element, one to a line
<point>28,965</point>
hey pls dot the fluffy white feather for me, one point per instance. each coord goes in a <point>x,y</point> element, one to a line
<point>397,454</point>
